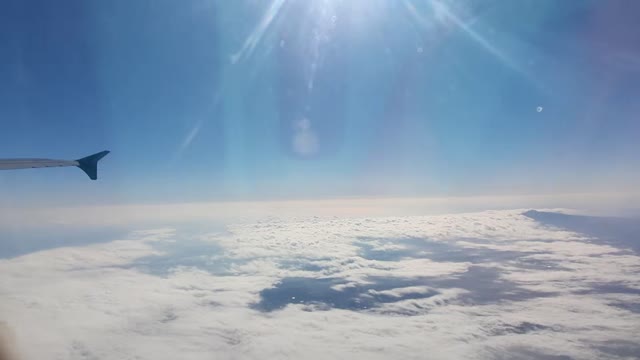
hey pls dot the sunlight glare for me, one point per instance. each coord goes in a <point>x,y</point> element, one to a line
<point>444,14</point>
<point>258,32</point>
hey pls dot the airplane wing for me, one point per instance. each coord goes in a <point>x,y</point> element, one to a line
<point>88,164</point>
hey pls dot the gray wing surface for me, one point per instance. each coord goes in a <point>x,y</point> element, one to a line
<point>11,164</point>
<point>88,164</point>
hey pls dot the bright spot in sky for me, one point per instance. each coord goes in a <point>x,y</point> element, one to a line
<point>305,141</point>
<point>539,109</point>
<point>420,49</point>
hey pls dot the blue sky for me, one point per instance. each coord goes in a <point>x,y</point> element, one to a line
<point>206,100</point>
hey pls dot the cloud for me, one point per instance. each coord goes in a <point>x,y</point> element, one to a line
<point>494,284</point>
<point>400,292</point>
<point>7,347</point>
<point>235,212</point>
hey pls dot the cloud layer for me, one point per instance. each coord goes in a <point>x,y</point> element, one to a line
<point>488,285</point>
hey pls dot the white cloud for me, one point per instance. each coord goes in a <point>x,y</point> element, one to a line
<point>98,302</point>
<point>160,215</point>
<point>399,292</point>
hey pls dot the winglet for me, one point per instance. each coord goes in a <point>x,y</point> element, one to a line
<point>89,164</point>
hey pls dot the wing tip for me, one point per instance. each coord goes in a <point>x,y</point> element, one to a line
<point>89,164</point>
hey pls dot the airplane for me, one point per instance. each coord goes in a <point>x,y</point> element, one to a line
<point>87,164</point>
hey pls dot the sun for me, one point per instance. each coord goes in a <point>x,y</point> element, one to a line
<point>321,16</point>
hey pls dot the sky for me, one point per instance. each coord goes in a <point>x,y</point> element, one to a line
<point>287,99</point>
<point>297,178</point>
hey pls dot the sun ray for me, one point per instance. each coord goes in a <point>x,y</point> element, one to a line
<point>444,13</point>
<point>258,32</point>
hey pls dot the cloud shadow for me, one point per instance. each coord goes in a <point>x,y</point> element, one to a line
<point>622,233</point>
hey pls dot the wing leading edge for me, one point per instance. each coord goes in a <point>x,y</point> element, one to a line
<point>88,164</point>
